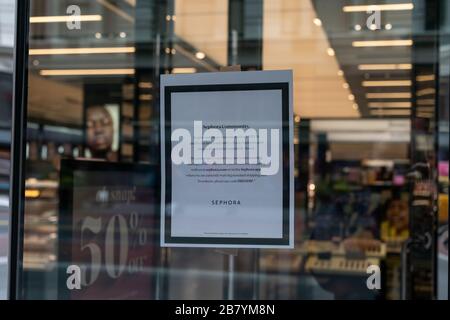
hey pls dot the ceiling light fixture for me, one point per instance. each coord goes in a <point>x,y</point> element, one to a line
<point>86,72</point>
<point>425,77</point>
<point>200,55</point>
<point>405,104</point>
<point>379,7</point>
<point>68,18</point>
<point>386,66</point>
<point>426,91</point>
<point>184,70</point>
<point>390,112</point>
<point>387,83</point>
<point>317,22</point>
<point>382,43</point>
<point>61,51</point>
<point>388,95</point>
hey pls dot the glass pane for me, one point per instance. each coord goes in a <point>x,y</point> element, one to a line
<point>368,175</point>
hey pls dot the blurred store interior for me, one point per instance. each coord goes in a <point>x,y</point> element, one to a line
<point>371,104</point>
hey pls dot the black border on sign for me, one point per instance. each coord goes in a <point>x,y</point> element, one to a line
<point>168,90</point>
<point>65,228</point>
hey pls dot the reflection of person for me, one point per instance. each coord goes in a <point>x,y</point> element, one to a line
<point>100,133</point>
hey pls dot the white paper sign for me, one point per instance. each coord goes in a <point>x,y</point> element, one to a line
<point>227,160</point>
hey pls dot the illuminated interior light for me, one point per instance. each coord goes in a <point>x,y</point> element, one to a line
<point>184,70</point>
<point>145,97</point>
<point>346,85</point>
<point>355,106</point>
<point>330,52</point>
<point>425,77</point>
<point>68,18</point>
<point>351,97</point>
<point>357,27</point>
<point>388,95</point>
<point>86,72</point>
<point>32,193</point>
<point>405,104</point>
<point>388,26</point>
<point>390,112</point>
<point>382,43</point>
<point>386,66</point>
<point>426,91</point>
<point>425,102</point>
<point>145,85</point>
<point>317,22</point>
<point>200,55</point>
<point>379,7</point>
<point>62,51</point>
<point>387,83</point>
<point>340,73</point>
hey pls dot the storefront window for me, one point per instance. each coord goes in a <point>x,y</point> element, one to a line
<point>370,100</point>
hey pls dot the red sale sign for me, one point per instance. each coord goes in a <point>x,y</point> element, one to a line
<point>108,229</point>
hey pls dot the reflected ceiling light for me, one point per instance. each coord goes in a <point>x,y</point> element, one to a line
<point>379,7</point>
<point>355,106</point>
<point>297,119</point>
<point>86,72</point>
<point>425,102</point>
<point>98,35</point>
<point>340,73</point>
<point>382,43</point>
<point>58,51</point>
<point>330,52</point>
<point>145,97</point>
<point>390,112</point>
<point>145,85</point>
<point>317,22</point>
<point>184,70</point>
<point>351,97</point>
<point>405,104</point>
<point>426,91</point>
<point>200,55</point>
<point>373,27</point>
<point>391,66</point>
<point>425,77</point>
<point>387,83</point>
<point>357,27</point>
<point>68,18</point>
<point>122,34</point>
<point>345,85</point>
<point>388,26</point>
<point>388,95</point>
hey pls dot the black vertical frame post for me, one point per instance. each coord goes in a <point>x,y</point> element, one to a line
<point>18,147</point>
<point>421,259</point>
